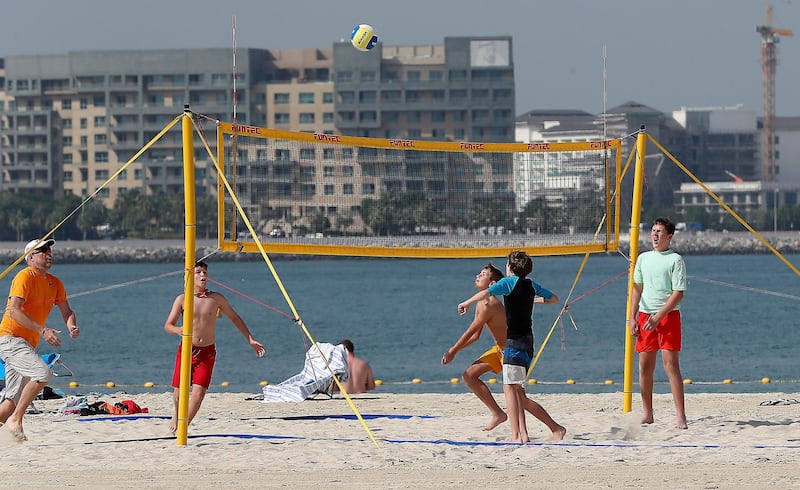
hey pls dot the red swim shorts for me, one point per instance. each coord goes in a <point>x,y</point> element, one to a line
<point>666,336</point>
<point>203,359</point>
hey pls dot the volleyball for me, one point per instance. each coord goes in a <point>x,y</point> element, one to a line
<point>363,37</point>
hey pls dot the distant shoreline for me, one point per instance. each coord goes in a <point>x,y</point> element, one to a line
<point>172,250</point>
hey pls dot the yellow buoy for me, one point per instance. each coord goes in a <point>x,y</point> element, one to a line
<point>73,384</point>
<point>609,382</point>
<point>264,383</point>
<point>726,381</point>
<point>416,381</point>
<point>492,381</point>
<point>454,381</point>
<point>766,380</point>
<point>110,384</point>
<point>149,384</point>
<point>378,382</point>
<point>570,381</point>
<point>532,381</point>
<point>225,384</point>
<point>687,381</point>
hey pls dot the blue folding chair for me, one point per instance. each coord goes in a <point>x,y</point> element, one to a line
<point>52,359</point>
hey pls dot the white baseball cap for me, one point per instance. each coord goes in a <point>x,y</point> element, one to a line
<point>31,244</point>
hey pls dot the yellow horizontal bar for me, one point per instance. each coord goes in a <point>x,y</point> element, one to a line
<point>405,144</point>
<point>399,252</point>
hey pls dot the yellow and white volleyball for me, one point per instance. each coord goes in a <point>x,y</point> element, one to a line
<point>363,37</point>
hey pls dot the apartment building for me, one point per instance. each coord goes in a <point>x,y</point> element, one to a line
<point>68,121</point>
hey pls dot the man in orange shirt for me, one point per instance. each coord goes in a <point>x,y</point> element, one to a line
<point>33,293</point>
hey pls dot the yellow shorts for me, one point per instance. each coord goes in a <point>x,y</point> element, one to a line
<point>494,358</point>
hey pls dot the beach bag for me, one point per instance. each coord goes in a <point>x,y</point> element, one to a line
<point>130,407</point>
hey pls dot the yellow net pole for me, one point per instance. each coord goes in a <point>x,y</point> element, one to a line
<point>636,214</point>
<point>190,227</point>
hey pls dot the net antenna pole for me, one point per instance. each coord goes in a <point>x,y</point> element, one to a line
<point>234,96</point>
<point>233,34</point>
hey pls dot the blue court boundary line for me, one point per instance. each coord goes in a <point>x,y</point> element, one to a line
<point>371,416</point>
<point>461,443</point>
<point>446,442</point>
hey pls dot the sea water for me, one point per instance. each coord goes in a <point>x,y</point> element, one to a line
<point>740,322</point>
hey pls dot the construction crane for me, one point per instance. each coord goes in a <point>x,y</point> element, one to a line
<point>769,62</point>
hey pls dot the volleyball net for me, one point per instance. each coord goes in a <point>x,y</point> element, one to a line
<point>322,194</point>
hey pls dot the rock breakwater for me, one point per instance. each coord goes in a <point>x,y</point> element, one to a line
<point>172,251</point>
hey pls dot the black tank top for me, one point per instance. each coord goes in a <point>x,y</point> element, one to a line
<point>519,309</point>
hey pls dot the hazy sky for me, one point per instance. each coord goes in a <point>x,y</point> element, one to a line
<point>663,53</point>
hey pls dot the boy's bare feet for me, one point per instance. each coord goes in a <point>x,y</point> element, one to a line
<point>496,420</point>
<point>173,426</point>
<point>559,433</point>
<point>682,424</point>
<point>647,418</point>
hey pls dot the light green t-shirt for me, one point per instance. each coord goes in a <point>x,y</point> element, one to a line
<point>660,273</point>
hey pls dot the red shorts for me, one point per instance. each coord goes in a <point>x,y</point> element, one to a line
<point>203,359</point>
<point>666,336</point>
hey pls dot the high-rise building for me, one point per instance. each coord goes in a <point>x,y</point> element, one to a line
<point>69,121</point>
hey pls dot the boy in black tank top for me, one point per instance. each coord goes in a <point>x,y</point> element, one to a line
<point>518,293</point>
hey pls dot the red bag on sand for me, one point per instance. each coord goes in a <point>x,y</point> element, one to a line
<point>131,407</point>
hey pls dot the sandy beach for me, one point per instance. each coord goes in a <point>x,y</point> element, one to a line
<point>423,441</point>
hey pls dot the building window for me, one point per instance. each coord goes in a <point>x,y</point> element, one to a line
<point>390,76</point>
<point>413,116</point>
<point>438,116</point>
<point>413,76</point>
<point>327,98</point>
<point>101,156</point>
<point>347,171</point>
<point>328,189</point>
<point>368,116</point>
<point>66,104</point>
<point>307,154</point>
<point>368,76</point>
<point>344,76</point>
<point>368,97</point>
<point>457,75</point>
<point>101,174</point>
<point>281,118</point>
<point>391,96</point>
<point>412,96</point>
<point>328,154</point>
<point>306,117</point>
<point>327,117</point>
<point>414,134</point>
<point>368,189</point>
<point>280,98</point>
<point>347,189</point>
<point>100,139</point>
<point>68,176</point>
<point>347,97</point>
<point>306,97</point>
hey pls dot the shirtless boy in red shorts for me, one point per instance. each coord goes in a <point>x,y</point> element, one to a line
<point>204,353</point>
